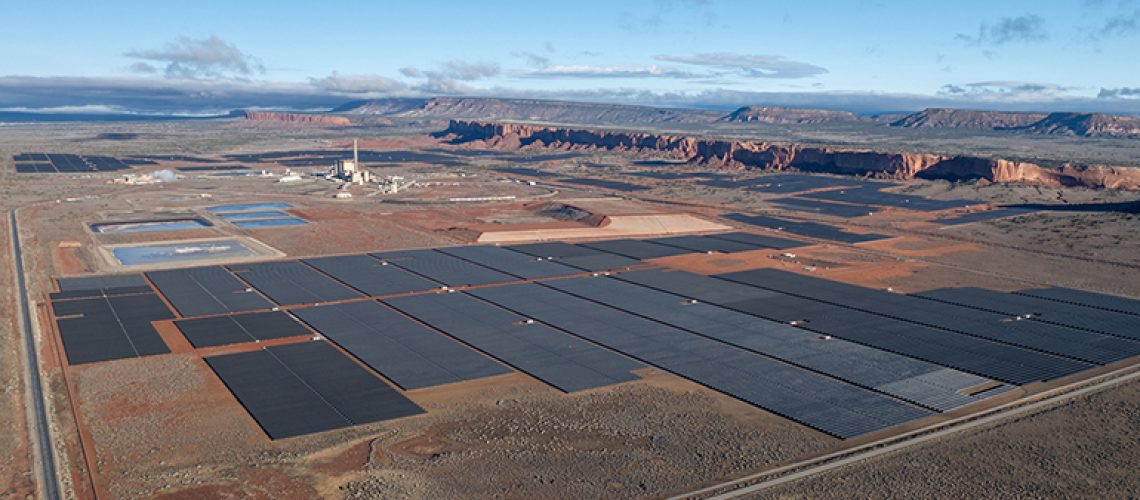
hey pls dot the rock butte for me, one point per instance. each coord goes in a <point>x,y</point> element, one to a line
<point>298,118</point>
<point>747,155</point>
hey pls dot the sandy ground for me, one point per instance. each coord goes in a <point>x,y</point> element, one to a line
<point>16,480</point>
<point>1085,448</point>
<point>187,437</point>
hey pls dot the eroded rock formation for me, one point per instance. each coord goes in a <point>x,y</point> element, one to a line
<point>297,118</point>
<point>741,155</point>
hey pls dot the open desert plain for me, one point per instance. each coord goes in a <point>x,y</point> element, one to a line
<point>456,272</point>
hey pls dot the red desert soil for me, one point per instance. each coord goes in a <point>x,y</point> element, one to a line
<point>1085,448</point>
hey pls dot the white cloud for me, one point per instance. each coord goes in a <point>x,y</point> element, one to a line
<point>588,71</point>
<point>188,58</point>
<point>358,84</point>
<point>749,65</point>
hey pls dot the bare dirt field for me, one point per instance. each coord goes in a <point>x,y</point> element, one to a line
<point>187,437</point>
<point>1085,448</point>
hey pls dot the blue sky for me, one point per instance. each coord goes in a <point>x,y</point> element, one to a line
<point>863,55</point>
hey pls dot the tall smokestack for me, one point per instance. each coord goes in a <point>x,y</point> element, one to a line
<point>355,159</point>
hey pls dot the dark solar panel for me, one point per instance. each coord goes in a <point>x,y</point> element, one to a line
<point>635,249</point>
<point>962,352</point>
<point>823,208</point>
<point>1074,316</point>
<point>444,268</point>
<point>513,263</point>
<point>554,249</point>
<point>309,387</point>
<point>983,216</point>
<point>526,171</point>
<point>201,291</point>
<point>106,328</point>
<point>761,240</point>
<point>821,402</point>
<point>1094,300</point>
<point>407,352</point>
<point>222,330</point>
<point>292,282</point>
<point>563,361</point>
<point>581,257</point>
<point>370,275</point>
<point>101,292</point>
<point>913,380</point>
<point>1075,344</point>
<point>809,229</point>
<point>101,282</point>
<point>615,185</point>
<point>705,244</point>
<point>868,195</point>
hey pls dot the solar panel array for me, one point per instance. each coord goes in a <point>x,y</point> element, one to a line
<point>793,183</point>
<point>443,268</point>
<point>843,359</point>
<point>999,213</point>
<point>100,286</point>
<point>966,353</point>
<point>1074,316</point>
<point>580,257</point>
<point>635,249</point>
<point>201,291</point>
<point>49,163</point>
<point>604,183</point>
<point>233,329</point>
<point>110,327</point>
<point>703,244</point>
<point>308,387</point>
<point>1037,336</point>
<point>823,207</point>
<point>870,195</point>
<point>371,276</point>
<point>809,229</point>
<point>834,407</point>
<point>405,351</point>
<point>292,282</point>
<point>561,360</point>
<point>919,382</point>
<point>513,263</point>
<point>1094,300</point>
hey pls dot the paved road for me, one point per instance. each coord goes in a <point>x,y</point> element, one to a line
<point>756,483</point>
<point>40,431</point>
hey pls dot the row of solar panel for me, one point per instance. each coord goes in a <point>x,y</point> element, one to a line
<point>808,229</point>
<point>843,388</point>
<point>308,387</point>
<point>53,163</point>
<point>793,183</point>
<point>216,290</point>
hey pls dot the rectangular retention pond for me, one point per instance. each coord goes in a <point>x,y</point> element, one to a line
<point>181,252</point>
<point>149,225</point>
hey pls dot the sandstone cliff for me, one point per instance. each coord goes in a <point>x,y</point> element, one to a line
<point>735,154</point>
<point>297,118</point>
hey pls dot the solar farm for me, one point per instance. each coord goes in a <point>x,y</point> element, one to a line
<point>329,342</point>
<point>562,323</point>
<point>48,163</point>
